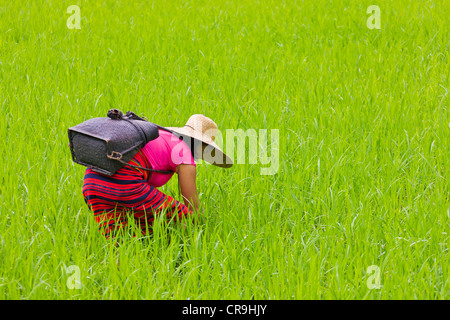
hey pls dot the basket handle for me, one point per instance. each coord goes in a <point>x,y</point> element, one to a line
<point>115,114</point>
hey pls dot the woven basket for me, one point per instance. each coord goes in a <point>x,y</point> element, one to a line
<point>107,144</point>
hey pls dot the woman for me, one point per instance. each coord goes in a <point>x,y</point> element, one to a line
<point>134,190</point>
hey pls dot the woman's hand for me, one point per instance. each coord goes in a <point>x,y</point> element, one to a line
<point>186,178</point>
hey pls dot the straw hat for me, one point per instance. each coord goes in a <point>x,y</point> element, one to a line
<point>203,130</point>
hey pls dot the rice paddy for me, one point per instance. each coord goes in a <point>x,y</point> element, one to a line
<point>356,207</point>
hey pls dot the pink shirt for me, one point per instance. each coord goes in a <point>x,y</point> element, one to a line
<point>165,153</point>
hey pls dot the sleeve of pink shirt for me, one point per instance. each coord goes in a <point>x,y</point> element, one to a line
<point>181,154</point>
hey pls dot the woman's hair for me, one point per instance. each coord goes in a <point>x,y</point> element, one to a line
<point>191,144</point>
<point>197,148</point>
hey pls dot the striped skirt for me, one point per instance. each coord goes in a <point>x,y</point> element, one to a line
<point>115,199</point>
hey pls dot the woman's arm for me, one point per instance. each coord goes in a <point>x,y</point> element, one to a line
<point>186,178</point>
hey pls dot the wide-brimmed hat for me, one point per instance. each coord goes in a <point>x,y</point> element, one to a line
<point>204,130</point>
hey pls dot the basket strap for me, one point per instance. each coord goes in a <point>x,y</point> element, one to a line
<point>147,169</point>
<point>118,158</point>
<point>139,129</point>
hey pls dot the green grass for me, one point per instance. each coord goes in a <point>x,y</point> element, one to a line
<point>364,132</point>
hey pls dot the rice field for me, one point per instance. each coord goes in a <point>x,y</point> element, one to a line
<point>357,205</point>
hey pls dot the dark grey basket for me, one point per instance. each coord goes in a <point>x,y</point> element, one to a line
<point>107,144</point>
